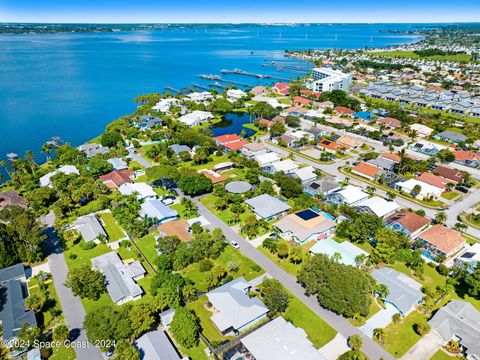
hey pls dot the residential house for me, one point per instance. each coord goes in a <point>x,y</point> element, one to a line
<point>267,159</point>
<point>392,157</point>
<point>305,174</point>
<point>265,123</point>
<point>90,228</point>
<point>382,163</point>
<point>320,187</point>
<point>306,225</point>
<point>301,101</point>
<point>470,256</point>
<point>213,176</point>
<point>179,228</point>
<point>348,252</point>
<point>45,180</point>
<point>233,310</point>
<point>235,94</point>
<point>223,166</point>
<point>330,146</point>
<point>117,178</point>
<point>251,150</point>
<point>467,158</point>
<point>287,166</point>
<point>142,190</point>
<point>459,321</point>
<point>434,180</point>
<point>342,110</point>
<point>419,189</point>
<point>258,90</point>
<point>92,149</point>
<point>366,170</point>
<point>120,277</point>
<point>118,163</point>
<point>427,148</point>
<point>349,141</point>
<point>422,130</point>
<point>156,345</point>
<point>453,176</point>
<point>281,88</point>
<point>440,240</point>
<point>177,148</point>
<point>11,197</point>
<point>390,122</point>
<point>13,314</point>
<point>295,111</point>
<point>407,222</point>
<point>450,136</point>
<point>146,122</point>
<point>156,210</point>
<point>267,207</point>
<point>196,117</point>
<point>200,97</point>
<point>350,195</point>
<point>377,206</point>
<point>230,141</point>
<point>279,339</point>
<point>404,293</point>
<point>164,105</point>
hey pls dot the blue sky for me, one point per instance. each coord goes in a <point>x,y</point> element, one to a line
<point>160,11</point>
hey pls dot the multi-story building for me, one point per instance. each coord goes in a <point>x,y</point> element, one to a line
<point>325,79</point>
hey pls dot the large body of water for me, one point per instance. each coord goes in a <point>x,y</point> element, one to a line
<point>71,85</point>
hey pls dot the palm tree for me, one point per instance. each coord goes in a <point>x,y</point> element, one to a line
<point>382,290</point>
<point>379,335</point>
<point>3,163</point>
<point>441,217</point>
<point>47,149</point>
<point>460,226</point>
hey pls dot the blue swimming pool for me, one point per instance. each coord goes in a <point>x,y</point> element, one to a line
<point>428,255</point>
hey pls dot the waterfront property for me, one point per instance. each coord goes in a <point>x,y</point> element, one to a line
<point>93,149</point>
<point>65,169</point>
<point>403,292</point>
<point>196,117</point>
<point>234,310</point>
<point>326,79</point>
<point>267,207</point>
<point>120,277</point>
<point>305,225</point>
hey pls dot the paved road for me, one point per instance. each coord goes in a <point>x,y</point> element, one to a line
<point>72,307</point>
<point>453,211</point>
<point>340,324</point>
<point>133,154</point>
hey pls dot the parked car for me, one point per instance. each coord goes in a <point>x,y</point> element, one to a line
<point>167,201</point>
<point>234,244</point>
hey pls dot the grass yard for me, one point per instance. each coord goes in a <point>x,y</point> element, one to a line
<point>147,247</point>
<point>45,318</point>
<point>450,195</point>
<point>224,215</point>
<point>111,226</point>
<point>214,160</point>
<point>442,355</point>
<point>318,331</point>
<point>246,268</point>
<point>373,309</point>
<point>399,338</point>
<point>63,353</point>
<point>285,264</point>
<point>181,211</point>
<point>195,353</point>
<point>83,256</point>
<point>208,327</point>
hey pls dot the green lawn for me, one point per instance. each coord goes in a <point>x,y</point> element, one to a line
<point>285,264</point>
<point>450,195</point>
<point>181,211</point>
<point>246,268</point>
<point>195,353</point>
<point>463,58</point>
<point>63,353</point>
<point>442,355</point>
<point>83,256</point>
<point>45,318</point>
<point>147,247</point>
<point>399,338</point>
<point>111,226</point>
<point>373,309</point>
<point>208,327</point>
<point>318,331</point>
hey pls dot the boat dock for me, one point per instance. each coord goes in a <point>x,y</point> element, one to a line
<point>198,86</point>
<point>209,77</point>
<point>173,90</point>
<point>258,76</point>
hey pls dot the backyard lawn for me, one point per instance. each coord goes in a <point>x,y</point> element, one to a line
<point>442,355</point>
<point>147,247</point>
<point>399,338</point>
<point>318,331</point>
<point>111,227</point>
<point>83,256</point>
<point>246,268</point>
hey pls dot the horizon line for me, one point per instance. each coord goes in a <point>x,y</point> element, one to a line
<point>240,23</point>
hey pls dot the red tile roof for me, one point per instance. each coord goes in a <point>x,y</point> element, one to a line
<point>331,145</point>
<point>224,139</point>
<point>235,145</point>
<point>117,177</point>
<point>301,100</point>
<point>434,180</point>
<point>282,87</point>
<point>451,174</point>
<point>366,169</point>
<point>443,238</point>
<point>343,110</point>
<point>466,155</point>
<point>391,156</point>
<point>310,93</point>
<point>409,220</point>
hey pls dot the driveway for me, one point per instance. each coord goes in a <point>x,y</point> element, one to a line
<point>379,320</point>
<point>340,324</point>
<point>425,348</point>
<point>133,154</point>
<point>72,307</point>
<point>336,347</point>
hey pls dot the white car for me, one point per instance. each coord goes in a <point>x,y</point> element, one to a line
<point>234,244</point>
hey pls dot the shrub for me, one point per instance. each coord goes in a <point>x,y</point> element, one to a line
<point>73,256</point>
<point>205,265</point>
<point>87,245</point>
<point>442,269</point>
<point>422,328</point>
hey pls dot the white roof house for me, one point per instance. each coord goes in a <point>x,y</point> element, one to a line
<point>279,339</point>
<point>199,96</point>
<point>155,345</point>
<point>267,158</point>
<point>305,174</point>
<point>164,105</point>
<point>470,256</point>
<point>235,94</point>
<point>288,166</point>
<point>45,180</point>
<point>118,163</point>
<point>377,206</point>
<point>421,129</point>
<point>143,190</point>
<point>348,251</point>
<point>121,278</point>
<point>155,209</point>
<point>350,195</point>
<point>426,190</point>
<point>195,118</point>
<point>235,310</point>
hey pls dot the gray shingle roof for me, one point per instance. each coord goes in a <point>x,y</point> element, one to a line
<point>404,292</point>
<point>12,272</point>
<point>155,345</point>
<point>266,206</point>
<point>452,136</point>
<point>459,318</point>
<point>89,227</point>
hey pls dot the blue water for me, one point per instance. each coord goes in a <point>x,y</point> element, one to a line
<point>72,85</point>
<point>232,123</point>
<point>427,254</point>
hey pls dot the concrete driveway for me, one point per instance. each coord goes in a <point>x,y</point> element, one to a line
<point>425,348</point>
<point>336,347</point>
<point>380,320</point>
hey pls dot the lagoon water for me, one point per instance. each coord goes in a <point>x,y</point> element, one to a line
<point>73,84</point>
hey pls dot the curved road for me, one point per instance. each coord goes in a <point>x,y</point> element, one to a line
<point>340,324</point>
